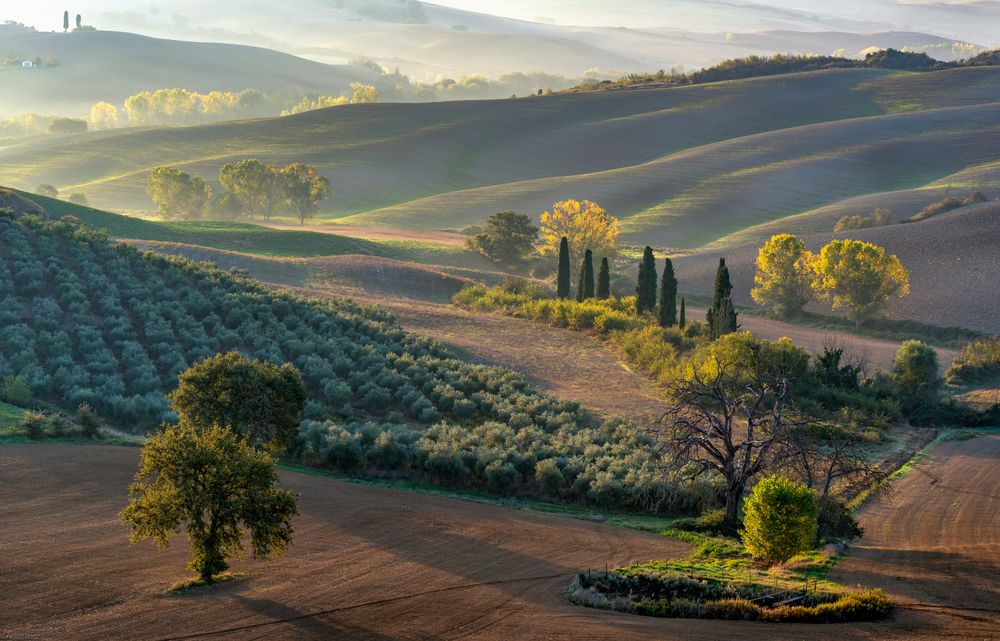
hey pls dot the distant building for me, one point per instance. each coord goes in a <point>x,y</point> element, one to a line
<point>27,64</point>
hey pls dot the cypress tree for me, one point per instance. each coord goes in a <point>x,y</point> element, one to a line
<point>65,21</point>
<point>722,315</point>
<point>667,310</point>
<point>682,321</point>
<point>585,289</point>
<point>562,282</point>
<point>604,280</point>
<point>645,291</point>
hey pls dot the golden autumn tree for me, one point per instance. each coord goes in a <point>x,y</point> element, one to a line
<point>784,279</point>
<point>585,224</point>
<point>860,277</point>
<point>103,115</point>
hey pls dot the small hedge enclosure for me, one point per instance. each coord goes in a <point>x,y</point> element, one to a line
<point>87,320</point>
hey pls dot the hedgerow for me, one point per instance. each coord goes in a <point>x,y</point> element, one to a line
<point>675,595</point>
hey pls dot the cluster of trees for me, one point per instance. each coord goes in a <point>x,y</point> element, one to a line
<point>83,320</point>
<point>854,275</point>
<point>947,204</point>
<point>33,124</point>
<point>250,188</point>
<point>756,66</point>
<point>877,218</point>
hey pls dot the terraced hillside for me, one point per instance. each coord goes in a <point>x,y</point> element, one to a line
<point>733,154</point>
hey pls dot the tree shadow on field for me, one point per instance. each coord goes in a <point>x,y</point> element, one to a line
<point>478,559</point>
<point>307,625</point>
<point>959,581</point>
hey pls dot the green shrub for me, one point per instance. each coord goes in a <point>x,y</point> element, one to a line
<point>870,605</point>
<point>734,609</point>
<point>976,362</point>
<point>779,520</point>
<point>915,369</point>
<point>549,476</point>
<point>33,424</point>
<point>15,390</point>
<point>88,421</point>
<point>836,521</point>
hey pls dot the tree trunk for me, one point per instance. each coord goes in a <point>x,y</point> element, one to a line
<point>734,494</point>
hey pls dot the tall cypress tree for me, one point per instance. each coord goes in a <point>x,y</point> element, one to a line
<point>645,290</point>
<point>562,281</point>
<point>666,313</point>
<point>585,289</point>
<point>604,280</point>
<point>722,315</point>
<point>65,21</point>
<point>682,321</point>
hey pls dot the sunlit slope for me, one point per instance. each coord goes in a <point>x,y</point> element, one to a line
<point>382,155</point>
<point>695,197</point>
<point>683,167</point>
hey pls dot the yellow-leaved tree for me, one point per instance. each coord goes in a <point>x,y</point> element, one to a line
<point>784,279</point>
<point>860,277</point>
<point>103,115</point>
<point>585,224</point>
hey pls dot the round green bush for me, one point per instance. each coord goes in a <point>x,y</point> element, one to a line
<point>779,520</point>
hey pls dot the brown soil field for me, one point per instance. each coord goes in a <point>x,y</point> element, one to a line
<point>933,543</point>
<point>377,564</point>
<point>951,259</point>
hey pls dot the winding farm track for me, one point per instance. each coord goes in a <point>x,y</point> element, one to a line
<point>379,565</point>
<point>934,542</point>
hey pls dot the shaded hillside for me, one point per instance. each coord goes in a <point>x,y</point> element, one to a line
<point>109,65</point>
<point>953,260</point>
<point>247,238</point>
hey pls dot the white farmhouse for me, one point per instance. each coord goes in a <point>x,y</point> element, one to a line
<point>27,64</point>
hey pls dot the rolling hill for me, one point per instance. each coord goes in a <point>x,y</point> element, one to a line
<point>110,66</point>
<point>952,258</point>
<point>684,167</point>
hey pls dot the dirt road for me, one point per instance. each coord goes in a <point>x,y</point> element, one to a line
<point>367,564</point>
<point>934,543</point>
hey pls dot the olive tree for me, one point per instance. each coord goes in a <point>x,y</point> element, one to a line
<point>257,399</point>
<point>215,485</point>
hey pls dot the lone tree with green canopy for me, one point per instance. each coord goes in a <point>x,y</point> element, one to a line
<point>507,238</point>
<point>604,280</point>
<point>255,399</point>
<point>682,321</point>
<point>721,315</point>
<point>666,312</point>
<point>562,280</point>
<point>645,290</point>
<point>779,519</point>
<point>585,288</point>
<point>215,485</point>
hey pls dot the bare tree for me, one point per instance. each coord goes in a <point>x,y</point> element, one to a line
<point>732,414</point>
<point>827,453</point>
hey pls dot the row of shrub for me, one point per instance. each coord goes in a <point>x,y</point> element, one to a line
<point>681,596</point>
<point>976,362</point>
<point>824,384</point>
<point>46,424</point>
<point>558,458</point>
